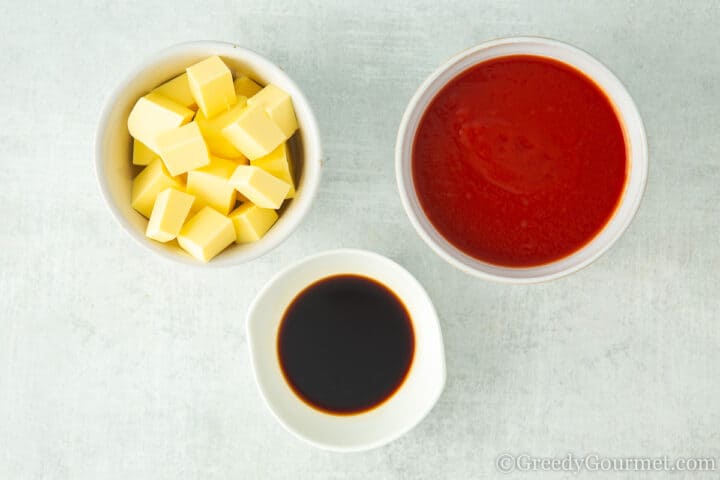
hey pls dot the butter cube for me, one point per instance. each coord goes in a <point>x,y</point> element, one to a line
<point>253,133</point>
<point>212,130</point>
<point>178,90</point>
<point>148,184</point>
<point>259,187</point>
<point>277,163</point>
<point>278,105</point>
<point>142,155</point>
<point>154,114</point>
<point>206,234</point>
<point>168,215</point>
<point>252,222</point>
<point>211,85</point>
<point>245,87</point>
<point>183,149</point>
<point>210,186</point>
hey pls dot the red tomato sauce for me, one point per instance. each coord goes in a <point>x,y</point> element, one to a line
<point>519,161</point>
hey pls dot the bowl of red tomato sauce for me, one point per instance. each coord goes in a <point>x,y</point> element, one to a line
<point>521,160</point>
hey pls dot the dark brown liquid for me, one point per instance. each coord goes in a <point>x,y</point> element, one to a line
<point>345,344</point>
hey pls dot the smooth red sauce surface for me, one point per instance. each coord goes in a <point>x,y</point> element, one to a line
<point>519,161</point>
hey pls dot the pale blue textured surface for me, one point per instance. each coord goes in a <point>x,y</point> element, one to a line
<point>117,365</point>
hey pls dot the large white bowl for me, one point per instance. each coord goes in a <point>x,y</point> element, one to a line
<point>113,145</point>
<point>634,136</point>
<point>397,415</point>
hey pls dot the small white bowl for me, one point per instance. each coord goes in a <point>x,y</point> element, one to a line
<point>113,145</point>
<point>634,136</point>
<point>397,415</point>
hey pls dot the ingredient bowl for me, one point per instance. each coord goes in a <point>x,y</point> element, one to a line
<point>414,398</point>
<point>113,146</point>
<point>630,122</point>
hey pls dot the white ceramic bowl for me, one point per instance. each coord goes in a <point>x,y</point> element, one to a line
<point>401,412</point>
<point>634,137</point>
<point>113,145</point>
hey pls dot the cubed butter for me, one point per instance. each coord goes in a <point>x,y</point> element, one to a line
<point>253,132</point>
<point>259,187</point>
<point>252,222</point>
<point>152,180</point>
<point>154,114</point>
<point>142,155</point>
<point>212,130</point>
<point>206,234</point>
<point>211,85</point>
<point>246,87</point>
<point>277,163</point>
<point>278,105</point>
<point>183,149</point>
<point>168,215</point>
<point>210,185</point>
<point>178,90</point>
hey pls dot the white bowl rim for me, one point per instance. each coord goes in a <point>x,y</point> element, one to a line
<point>441,250</point>
<point>264,394</point>
<point>312,175</point>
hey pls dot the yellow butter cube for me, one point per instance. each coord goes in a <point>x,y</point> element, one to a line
<point>145,187</point>
<point>154,114</point>
<point>245,87</point>
<point>259,187</point>
<point>206,234</point>
<point>211,85</point>
<point>142,155</point>
<point>178,90</point>
<point>278,105</point>
<point>183,149</point>
<point>210,186</point>
<point>254,133</point>
<point>277,163</point>
<point>212,130</point>
<point>252,222</point>
<point>168,215</point>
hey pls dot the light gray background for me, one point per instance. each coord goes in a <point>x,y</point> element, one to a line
<point>115,364</point>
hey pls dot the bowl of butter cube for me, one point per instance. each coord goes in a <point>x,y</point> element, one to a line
<point>208,153</point>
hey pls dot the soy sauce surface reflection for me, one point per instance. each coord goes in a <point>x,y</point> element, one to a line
<point>345,344</point>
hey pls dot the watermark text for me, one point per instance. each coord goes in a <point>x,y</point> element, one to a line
<point>508,462</point>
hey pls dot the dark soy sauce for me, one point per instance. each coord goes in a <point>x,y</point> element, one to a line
<point>345,344</point>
